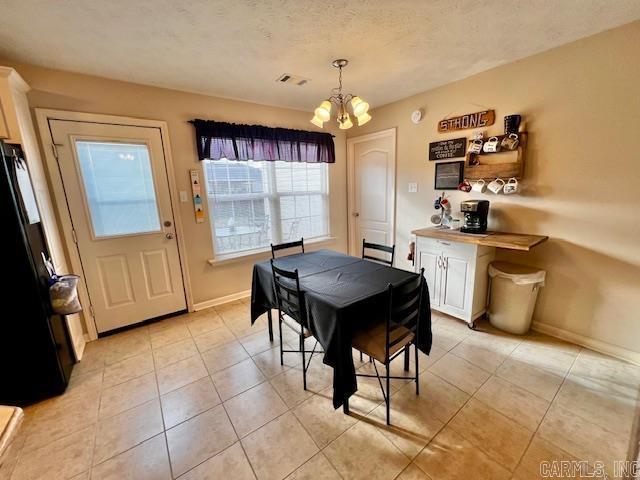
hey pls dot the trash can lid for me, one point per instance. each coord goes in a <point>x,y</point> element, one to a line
<point>518,274</point>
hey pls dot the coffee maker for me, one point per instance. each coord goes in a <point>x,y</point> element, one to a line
<point>475,215</point>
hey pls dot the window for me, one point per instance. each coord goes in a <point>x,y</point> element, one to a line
<point>253,204</point>
<point>118,183</point>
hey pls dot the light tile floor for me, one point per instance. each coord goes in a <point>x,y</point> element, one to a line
<point>203,396</point>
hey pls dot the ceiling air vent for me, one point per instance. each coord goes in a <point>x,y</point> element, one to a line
<point>292,79</point>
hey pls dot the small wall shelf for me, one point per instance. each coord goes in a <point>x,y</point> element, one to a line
<point>503,164</point>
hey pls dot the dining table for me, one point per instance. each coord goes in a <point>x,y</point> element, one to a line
<point>341,294</point>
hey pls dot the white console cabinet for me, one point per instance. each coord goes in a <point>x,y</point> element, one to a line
<point>456,275</point>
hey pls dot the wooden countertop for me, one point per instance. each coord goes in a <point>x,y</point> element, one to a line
<point>10,420</point>
<point>511,241</point>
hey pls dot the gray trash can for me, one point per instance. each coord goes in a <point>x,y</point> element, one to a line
<point>514,290</point>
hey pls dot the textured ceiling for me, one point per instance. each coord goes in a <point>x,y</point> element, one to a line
<point>237,48</point>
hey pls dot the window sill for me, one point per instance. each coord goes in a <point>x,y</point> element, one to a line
<point>262,253</point>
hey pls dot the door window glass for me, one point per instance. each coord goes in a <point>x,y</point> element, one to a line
<point>118,184</point>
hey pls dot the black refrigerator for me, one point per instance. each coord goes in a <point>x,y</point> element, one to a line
<point>36,357</point>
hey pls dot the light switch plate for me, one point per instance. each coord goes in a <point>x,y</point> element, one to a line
<point>413,187</point>
<point>184,196</point>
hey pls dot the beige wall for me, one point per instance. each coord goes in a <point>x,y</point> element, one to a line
<point>581,186</point>
<point>68,91</point>
<point>581,103</point>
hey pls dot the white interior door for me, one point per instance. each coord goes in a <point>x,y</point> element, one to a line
<point>117,191</point>
<point>371,170</point>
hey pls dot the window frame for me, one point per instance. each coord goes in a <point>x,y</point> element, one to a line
<point>273,197</point>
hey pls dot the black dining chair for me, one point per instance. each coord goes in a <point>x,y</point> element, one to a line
<point>292,313</point>
<point>381,248</point>
<point>285,246</point>
<point>386,341</point>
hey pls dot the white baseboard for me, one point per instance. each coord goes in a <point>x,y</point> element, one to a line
<point>587,342</point>
<point>220,300</point>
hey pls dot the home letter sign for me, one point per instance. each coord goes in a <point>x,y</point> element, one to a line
<point>470,120</point>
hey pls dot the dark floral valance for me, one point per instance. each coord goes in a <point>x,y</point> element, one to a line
<point>216,140</point>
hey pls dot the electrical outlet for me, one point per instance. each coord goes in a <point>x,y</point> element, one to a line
<point>413,187</point>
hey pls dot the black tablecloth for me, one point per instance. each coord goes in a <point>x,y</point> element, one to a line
<point>341,294</point>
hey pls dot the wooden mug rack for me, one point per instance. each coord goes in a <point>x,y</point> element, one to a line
<point>493,165</point>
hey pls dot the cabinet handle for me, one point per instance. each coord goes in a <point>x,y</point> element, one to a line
<point>445,263</point>
<point>439,262</point>
<point>443,243</point>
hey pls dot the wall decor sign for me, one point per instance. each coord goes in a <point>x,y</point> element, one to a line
<point>447,149</point>
<point>197,195</point>
<point>470,120</point>
<point>449,175</point>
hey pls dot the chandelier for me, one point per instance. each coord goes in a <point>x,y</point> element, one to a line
<point>359,107</point>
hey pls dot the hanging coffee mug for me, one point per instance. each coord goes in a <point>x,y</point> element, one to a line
<point>491,145</point>
<point>510,142</point>
<point>479,186</point>
<point>512,124</point>
<point>496,185</point>
<point>465,186</point>
<point>475,146</point>
<point>511,186</point>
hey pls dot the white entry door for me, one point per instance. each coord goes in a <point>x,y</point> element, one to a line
<point>371,183</point>
<point>117,192</point>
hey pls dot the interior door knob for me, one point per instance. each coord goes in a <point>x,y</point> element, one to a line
<point>169,236</point>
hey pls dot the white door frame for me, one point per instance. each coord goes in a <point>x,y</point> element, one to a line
<point>351,201</point>
<point>43,116</point>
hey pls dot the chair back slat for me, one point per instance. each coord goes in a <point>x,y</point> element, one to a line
<point>405,303</point>
<point>285,246</point>
<point>381,248</point>
<point>406,318</point>
<point>286,286</point>
<point>404,308</point>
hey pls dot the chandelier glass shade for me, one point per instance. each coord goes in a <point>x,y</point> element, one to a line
<point>359,107</point>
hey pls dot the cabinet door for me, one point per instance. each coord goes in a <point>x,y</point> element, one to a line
<point>429,261</point>
<point>455,294</point>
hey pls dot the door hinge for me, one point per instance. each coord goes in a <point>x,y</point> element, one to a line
<point>74,236</point>
<point>93,313</point>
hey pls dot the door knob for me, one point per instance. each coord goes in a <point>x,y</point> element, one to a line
<point>169,236</point>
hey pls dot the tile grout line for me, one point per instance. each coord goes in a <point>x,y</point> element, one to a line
<point>101,389</point>
<point>290,409</point>
<point>164,426</point>
<point>445,424</point>
<point>534,432</point>
<point>139,443</point>
<point>96,427</point>
<point>459,409</point>
<point>27,436</point>
<point>546,412</point>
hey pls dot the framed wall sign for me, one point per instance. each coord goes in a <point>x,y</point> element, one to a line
<point>448,175</point>
<point>197,195</point>
<point>445,149</point>
<point>469,120</point>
